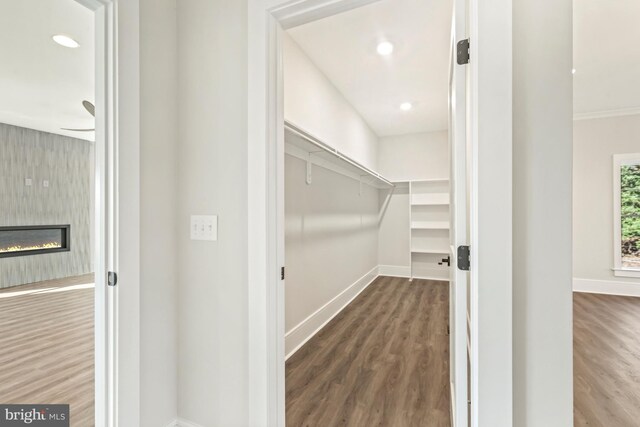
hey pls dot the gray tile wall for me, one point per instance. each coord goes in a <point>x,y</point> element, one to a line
<point>67,164</point>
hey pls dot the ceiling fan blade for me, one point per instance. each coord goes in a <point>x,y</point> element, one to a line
<point>89,107</point>
<point>79,130</point>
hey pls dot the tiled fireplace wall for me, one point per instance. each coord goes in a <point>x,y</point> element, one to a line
<point>66,163</point>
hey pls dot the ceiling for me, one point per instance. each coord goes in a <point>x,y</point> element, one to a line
<point>42,83</point>
<point>343,47</point>
<point>606,56</point>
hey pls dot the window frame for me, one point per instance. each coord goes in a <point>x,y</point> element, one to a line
<point>620,160</point>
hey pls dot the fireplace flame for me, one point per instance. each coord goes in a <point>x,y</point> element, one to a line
<point>20,248</point>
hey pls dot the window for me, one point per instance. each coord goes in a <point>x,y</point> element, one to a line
<point>626,229</point>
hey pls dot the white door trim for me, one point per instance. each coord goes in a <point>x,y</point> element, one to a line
<point>266,216</point>
<point>104,214</point>
<point>490,125</point>
<point>117,310</point>
<point>124,57</point>
<point>459,233</point>
<point>472,129</point>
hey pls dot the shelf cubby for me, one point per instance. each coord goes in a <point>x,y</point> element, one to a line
<point>429,225</point>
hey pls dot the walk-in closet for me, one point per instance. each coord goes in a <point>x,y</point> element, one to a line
<point>366,215</point>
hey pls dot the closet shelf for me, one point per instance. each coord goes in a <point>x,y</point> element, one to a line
<point>430,180</point>
<point>421,181</point>
<point>443,251</point>
<point>430,225</point>
<point>430,199</point>
<point>305,146</point>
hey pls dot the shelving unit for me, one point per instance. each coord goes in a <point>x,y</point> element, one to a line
<point>305,146</point>
<point>429,228</point>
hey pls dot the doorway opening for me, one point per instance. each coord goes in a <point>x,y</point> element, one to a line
<point>367,197</point>
<point>54,214</point>
<point>606,213</point>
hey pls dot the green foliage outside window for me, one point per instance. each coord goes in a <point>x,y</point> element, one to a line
<point>630,210</point>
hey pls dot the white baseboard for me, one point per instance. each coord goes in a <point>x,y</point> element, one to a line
<point>181,422</point>
<point>405,271</point>
<point>394,270</point>
<point>301,333</point>
<point>609,287</point>
<point>433,278</point>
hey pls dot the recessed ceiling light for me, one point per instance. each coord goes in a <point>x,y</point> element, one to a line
<point>65,41</point>
<point>573,71</point>
<point>385,48</point>
<point>406,106</point>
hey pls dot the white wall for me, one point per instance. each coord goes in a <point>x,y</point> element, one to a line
<point>315,105</point>
<point>212,25</point>
<point>213,386</point>
<point>542,158</point>
<point>331,241</point>
<point>414,156</point>
<point>595,142</point>
<point>394,241</point>
<point>158,209</point>
<point>402,158</point>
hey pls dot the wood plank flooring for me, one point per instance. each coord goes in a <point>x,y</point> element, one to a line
<point>383,361</point>
<point>47,345</point>
<point>606,360</point>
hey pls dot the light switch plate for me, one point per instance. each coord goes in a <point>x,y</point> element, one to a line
<point>204,227</point>
<point>28,182</point>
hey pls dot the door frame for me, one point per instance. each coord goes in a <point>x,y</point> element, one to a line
<point>266,18</point>
<point>460,209</point>
<point>106,349</point>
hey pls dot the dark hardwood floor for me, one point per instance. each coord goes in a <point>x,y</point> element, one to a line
<point>606,360</point>
<point>383,361</point>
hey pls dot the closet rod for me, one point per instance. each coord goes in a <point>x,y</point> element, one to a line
<point>329,149</point>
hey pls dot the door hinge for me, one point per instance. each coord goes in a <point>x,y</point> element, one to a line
<point>463,52</point>
<point>464,258</point>
<point>281,273</point>
<point>112,278</point>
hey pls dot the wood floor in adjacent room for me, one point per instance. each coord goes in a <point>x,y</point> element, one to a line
<point>606,360</point>
<point>46,345</point>
<point>383,361</point>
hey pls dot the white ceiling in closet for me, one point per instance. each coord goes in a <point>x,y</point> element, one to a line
<point>42,83</point>
<point>344,46</point>
<point>606,56</point>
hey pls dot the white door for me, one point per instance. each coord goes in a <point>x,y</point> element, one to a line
<point>459,219</point>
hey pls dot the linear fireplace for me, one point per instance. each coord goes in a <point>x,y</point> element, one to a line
<point>34,239</point>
